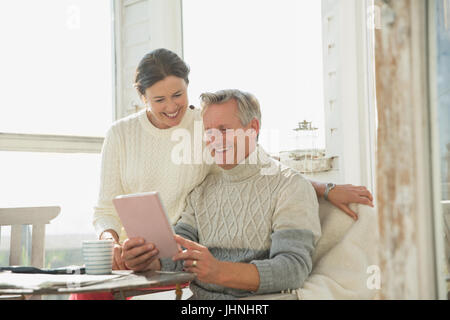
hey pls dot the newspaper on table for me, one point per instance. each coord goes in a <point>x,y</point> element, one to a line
<point>10,280</point>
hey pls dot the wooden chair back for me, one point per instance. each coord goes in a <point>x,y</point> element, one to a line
<point>37,217</point>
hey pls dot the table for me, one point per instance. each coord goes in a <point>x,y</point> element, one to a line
<point>128,284</point>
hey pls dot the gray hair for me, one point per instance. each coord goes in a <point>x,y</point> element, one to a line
<point>248,105</point>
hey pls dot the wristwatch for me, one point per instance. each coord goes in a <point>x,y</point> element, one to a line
<point>330,186</point>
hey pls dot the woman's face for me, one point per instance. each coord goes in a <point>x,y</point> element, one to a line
<point>168,102</point>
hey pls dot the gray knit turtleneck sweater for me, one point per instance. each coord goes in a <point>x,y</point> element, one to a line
<point>259,212</point>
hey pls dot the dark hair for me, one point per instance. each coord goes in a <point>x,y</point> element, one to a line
<point>156,66</point>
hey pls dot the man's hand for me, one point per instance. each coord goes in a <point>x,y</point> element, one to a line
<point>198,260</point>
<point>140,256</point>
<point>342,195</point>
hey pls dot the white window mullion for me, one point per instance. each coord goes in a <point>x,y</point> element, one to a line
<point>332,73</point>
<point>142,26</point>
<point>349,116</point>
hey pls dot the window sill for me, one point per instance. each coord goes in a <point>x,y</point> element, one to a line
<point>49,143</point>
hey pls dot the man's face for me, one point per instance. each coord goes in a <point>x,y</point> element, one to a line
<point>227,139</point>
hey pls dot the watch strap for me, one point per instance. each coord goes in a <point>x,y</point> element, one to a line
<point>329,187</point>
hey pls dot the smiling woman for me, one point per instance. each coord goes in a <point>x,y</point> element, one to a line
<point>161,80</point>
<point>168,100</point>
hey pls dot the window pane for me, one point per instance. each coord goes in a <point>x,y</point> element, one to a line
<point>56,66</point>
<point>443,109</point>
<point>272,49</point>
<point>443,92</point>
<point>70,181</point>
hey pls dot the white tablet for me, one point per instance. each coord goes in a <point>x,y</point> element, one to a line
<point>143,215</point>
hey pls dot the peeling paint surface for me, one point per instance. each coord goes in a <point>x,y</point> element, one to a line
<point>396,177</point>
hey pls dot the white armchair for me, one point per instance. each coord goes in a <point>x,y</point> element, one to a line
<point>341,260</point>
<point>342,257</point>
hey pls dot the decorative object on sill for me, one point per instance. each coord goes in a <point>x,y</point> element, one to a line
<point>307,158</point>
<point>305,126</point>
<point>306,136</point>
<point>307,161</point>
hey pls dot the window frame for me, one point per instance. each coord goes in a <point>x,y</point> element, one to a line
<point>349,90</point>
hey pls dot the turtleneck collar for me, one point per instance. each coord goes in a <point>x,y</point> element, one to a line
<point>248,167</point>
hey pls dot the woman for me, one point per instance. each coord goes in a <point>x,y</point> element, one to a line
<point>136,154</point>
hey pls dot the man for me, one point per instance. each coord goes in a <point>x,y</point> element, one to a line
<point>252,227</point>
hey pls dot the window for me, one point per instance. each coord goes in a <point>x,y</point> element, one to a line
<point>439,33</point>
<point>56,67</point>
<point>272,49</point>
<point>44,179</point>
<point>56,104</point>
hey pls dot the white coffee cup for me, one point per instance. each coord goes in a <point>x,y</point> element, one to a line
<point>98,256</point>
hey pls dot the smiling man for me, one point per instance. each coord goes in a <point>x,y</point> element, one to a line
<point>251,227</point>
<point>224,114</point>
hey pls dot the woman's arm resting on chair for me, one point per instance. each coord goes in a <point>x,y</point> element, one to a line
<point>344,194</point>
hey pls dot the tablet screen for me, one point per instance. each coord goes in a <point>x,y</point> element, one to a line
<point>143,215</point>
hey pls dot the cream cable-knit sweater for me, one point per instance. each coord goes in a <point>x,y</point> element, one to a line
<point>135,159</point>
<point>262,213</point>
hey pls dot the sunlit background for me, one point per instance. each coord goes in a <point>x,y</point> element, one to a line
<point>57,75</point>
<point>56,69</point>
<point>272,49</point>
<point>56,78</point>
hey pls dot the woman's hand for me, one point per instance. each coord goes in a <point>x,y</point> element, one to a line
<point>140,256</point>
<point>198,260</point>
<point>118,263</point>
<point>342,195</point>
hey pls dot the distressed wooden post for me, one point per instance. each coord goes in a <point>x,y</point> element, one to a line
<point>403,172</point>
